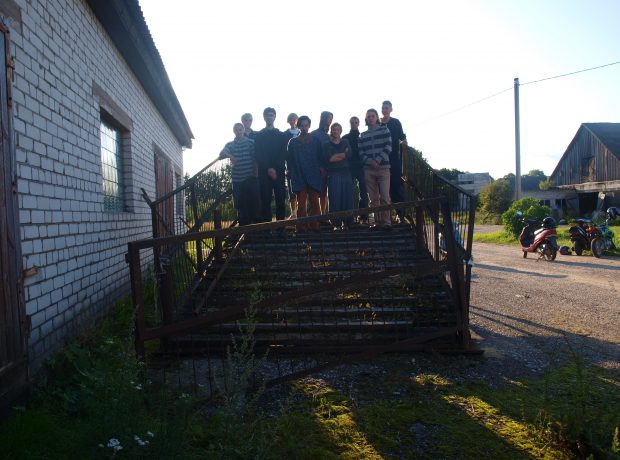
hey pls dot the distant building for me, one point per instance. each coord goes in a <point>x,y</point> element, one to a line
<point>474,182</point>
<point>590,168</point>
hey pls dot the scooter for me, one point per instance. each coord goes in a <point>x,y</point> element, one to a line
<point>581,235</point>
<point>542,241</point>
<point>587,235</point>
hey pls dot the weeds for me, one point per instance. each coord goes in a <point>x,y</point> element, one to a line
<point>97,402</point>
<point>575,410</point>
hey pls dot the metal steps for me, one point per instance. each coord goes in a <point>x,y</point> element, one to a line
<point>330,290</point>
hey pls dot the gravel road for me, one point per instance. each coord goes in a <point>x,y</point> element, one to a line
<point>528,315</point>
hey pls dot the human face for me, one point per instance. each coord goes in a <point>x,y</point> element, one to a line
<point>328,121</point>
<point>270,118</point>
<point>247,123</point>
<point>386,110</point>
<point>336,131</point>
<point>238,129</point>
<point>304,127</point>
<point>293,122</point>
<point>371,118</point>
<point>355,123</point>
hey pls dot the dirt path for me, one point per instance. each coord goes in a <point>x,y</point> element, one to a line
<point>528,314</point>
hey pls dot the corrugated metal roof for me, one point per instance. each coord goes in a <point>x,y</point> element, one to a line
<point>608,134</point>
<point>125,23</point>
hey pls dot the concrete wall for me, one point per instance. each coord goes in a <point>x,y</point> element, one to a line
<point>66,72</point>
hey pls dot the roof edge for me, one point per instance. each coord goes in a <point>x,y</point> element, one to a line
<point>125,24</point>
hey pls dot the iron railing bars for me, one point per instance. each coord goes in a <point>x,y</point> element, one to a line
<point>187,184</point>
<point>456,275</point>
<point>203,301</point>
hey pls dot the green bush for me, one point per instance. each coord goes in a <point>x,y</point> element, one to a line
<point>496,197</point>
<point>529,207</point>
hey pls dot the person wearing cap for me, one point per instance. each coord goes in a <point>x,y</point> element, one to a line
<point>270,146</point>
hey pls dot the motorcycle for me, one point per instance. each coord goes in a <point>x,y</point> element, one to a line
<point>542,241</point>
<point>587,235</point>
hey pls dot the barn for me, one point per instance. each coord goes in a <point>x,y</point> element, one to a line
<point>590,167</point>
<point>89,118</point>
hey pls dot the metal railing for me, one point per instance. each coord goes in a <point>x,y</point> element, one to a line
<point>202,203</point>
<point>422,181</point>
<point>353,294</point>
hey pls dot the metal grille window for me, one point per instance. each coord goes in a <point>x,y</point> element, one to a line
<point>112,168</point>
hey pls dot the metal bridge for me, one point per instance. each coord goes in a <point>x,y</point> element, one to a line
<point>203,286</point>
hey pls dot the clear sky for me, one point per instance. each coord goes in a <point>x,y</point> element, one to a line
<point>429,58</point>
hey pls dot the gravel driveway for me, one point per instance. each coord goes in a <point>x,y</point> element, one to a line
<point>528,314</point>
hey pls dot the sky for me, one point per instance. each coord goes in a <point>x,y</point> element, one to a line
<point>437,61</point>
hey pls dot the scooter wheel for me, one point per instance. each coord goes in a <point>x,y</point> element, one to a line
<point>524,254</point>
<point>578,247</point>
<point>597,246</point>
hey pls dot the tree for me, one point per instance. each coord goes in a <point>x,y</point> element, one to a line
<point>451,175</point>
<point>545,184</point>
<point>496,197</point>
<point>531,180</point>
<point>529,207</point>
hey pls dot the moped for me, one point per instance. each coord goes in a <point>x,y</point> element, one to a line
<point>587,235</point>
<point>542,241</point>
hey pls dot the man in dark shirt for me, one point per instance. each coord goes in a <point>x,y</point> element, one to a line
<point>270,147</point>
<point>322,134</point>
<point>397,192</point>
<point>355,163</point>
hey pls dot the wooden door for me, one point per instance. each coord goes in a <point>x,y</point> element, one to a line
<point>13,326</point>
<point>164,184</point>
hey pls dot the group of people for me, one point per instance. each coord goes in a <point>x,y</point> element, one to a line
<point>318,167</point>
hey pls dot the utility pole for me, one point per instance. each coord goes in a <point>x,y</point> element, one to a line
<point>517,143</point>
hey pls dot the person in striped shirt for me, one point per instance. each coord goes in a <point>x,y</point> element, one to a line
<point>246,192</point>
<point>375,146</point>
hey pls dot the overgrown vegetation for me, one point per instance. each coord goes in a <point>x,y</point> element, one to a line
<point>527,207</point>
<point>97,402</point>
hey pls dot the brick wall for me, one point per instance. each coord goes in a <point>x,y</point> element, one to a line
<point>66,69</point>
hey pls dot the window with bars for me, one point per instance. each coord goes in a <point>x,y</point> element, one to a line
<point>112,167</point>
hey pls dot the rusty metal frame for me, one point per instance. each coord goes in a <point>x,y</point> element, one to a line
<point>235,313</point>
<point>435,203</point>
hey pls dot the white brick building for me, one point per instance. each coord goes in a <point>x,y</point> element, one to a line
<point>92,112</point>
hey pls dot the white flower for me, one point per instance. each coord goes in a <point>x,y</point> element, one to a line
<point>141,442</point>
<point>152,435</point>
<point>115,444</point>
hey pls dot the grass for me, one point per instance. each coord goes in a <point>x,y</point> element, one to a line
<point>96,391</point>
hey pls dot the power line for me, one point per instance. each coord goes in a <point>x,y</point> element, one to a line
<point>570,73</point>
<point>510,89</point>
<point>463,107</point>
